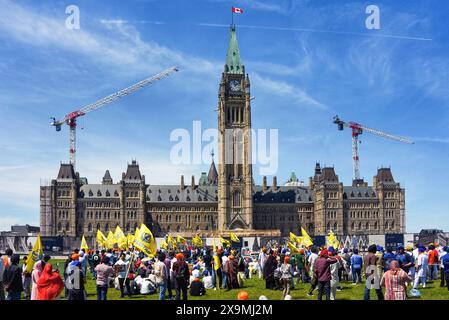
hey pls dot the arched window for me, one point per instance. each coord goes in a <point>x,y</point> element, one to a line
<point>106,227</point>
<point>178,229</point>
<point>89,227</point>
<point>67,226</point>
<point>236,199</point>
<point>59,226</point>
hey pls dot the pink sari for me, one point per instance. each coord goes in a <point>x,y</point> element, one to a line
<point>35,275</point>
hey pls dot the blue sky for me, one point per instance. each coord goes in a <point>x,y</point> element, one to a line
<point>307,61</point>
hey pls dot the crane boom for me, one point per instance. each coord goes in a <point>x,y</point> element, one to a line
<point>70,119</point>
<point>358,129</point>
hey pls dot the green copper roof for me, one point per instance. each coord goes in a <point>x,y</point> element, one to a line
<point>203,179</point>
<point>233,56</point>
<point>293,177</point>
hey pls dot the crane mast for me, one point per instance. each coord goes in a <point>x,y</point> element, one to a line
<point>358,129</point>
<point>71,118</point>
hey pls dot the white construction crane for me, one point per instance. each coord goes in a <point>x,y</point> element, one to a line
<point>358,129</point>
<point>71,118</point>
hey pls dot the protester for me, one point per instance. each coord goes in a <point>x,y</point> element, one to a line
<point>26,279</point>
<point>441,254</point>
<point>12,278</point>
<point>181,272</point>
<point>421,267</point>
<point>334,269</point>
<point>432,255</point>
<point>370,263</point>
<point>35,275</point>
<point>270,265</point>
<point>197,288</point>
<point>394,281</point>
<point>356,267</point>
<point>121,268</point>
<point>103,271</point>
<point>50,284</point>
<point>445,264</point>
<point>95,261</point>
<point>161,273</point>
<point>286,276</point>
<point>323,273</point>
<point>311,266</point>
<point>75,281</point>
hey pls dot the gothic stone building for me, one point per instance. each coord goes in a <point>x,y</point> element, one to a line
<point>224,199</point>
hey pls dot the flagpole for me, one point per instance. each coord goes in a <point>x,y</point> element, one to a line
<point>232,18</point>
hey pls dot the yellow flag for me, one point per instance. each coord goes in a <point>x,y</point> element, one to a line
<point>181,240</point>
<point>217,262</point>
<point>101,239</point>
<point>294,238</point>
<point>332,240</point>
<point>197,241</point>
<point>130,239</point>
<point>223,241</point>
<point>83,244</point>
<point>35,255</point>
<point>234,238</point>
<point>306,240</point>
<point>164,245</point>
<point>120,238</point>
<point>145,241</point>
<point>292,247</point>
<point>214,247</point>
<point>110,240</point>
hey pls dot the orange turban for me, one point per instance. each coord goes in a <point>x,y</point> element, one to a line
<point>75,256</point>
<point>242,295</point>
<point>179,256</point>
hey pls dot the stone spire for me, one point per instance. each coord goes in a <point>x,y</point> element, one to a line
<point>107,179</point>
<point>212,177</point>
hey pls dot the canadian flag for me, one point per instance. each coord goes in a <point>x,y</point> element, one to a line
<point>237,10</point>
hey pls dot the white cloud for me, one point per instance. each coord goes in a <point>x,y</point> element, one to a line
<point>283,89</point>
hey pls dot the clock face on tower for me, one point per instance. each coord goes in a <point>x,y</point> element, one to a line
<point>234,85</point>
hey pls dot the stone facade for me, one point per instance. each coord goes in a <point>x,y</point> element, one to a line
<point>226,199</point>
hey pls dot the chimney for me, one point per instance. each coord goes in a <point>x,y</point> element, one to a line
<point>264,184</point>
<point>275,184</point>
<point>182,183</point>
<point>193,182</point>
<point>311,186</point>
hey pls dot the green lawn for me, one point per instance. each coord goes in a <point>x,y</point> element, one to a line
<point>256,287</point>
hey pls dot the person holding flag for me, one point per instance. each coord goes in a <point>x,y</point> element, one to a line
<point>145,242</point>
<point>101,239</point>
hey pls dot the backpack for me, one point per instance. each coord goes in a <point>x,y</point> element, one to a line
<point>181,271</point>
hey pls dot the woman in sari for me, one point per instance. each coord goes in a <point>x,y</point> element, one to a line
<point>394,281</point>
<point>50,284</point>
<point>35,275</point>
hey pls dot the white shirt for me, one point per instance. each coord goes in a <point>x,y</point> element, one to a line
<point>208,282</point>
<point>122,267</point>
<point>312,258</point>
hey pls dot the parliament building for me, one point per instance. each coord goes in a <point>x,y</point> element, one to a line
<point>226,199</point>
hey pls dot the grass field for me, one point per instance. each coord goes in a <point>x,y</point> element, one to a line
<point>256,287</point>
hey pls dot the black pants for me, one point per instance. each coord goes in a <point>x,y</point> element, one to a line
<point>313,284</point>
<point>124,282</point>
<point>446,277</point>
<point>326,286</point>
<point>443,277</point>
<point>181,288</point>
<point>269,282</point>
<point>170,295</point>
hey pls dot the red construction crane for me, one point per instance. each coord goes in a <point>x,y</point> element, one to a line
<point>358,129</point>
<point>71,118</point>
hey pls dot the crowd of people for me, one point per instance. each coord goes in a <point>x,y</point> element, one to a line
<point>176,274</point>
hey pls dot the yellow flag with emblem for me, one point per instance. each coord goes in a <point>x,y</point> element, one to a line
<point>306,240</point>
<point>101,239</point>
<point>214,246</point>
<point>234,238</point>
<point>145,241</point>
<point>223,241</point>
<point>35,255</point>
<point>332,240</point>
<point>83,244</point>
<point>197,241</point>
<point>181,240</point>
